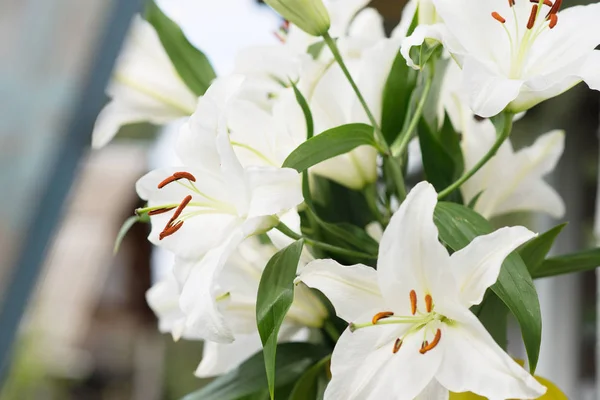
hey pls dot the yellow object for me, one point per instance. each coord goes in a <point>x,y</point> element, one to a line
<point>553,392</point>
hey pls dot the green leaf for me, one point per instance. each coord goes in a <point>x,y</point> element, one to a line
<point>441,168</point>
<point>329,144</point>
<point>492,313</point>
<point>399,86</point>
<point>274,299</point>
<point>458,226</point>
<point>310,127</point>
<point>315,49</point>
<point>190,63</point>
<point>534,252</point>
<point>127,225</point>
<point>568,263</point>
<point>312,384</point>
<point>249,378</point>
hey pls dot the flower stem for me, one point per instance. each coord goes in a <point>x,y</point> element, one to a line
<point>399,147</point>
<point>283,228</point>
<point>502,136</point>
<point>383,146</point>
<point>338,57</point>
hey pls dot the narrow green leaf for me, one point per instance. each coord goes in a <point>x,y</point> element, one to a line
<point>450,141</point>
<point>399,86</point>
<point>440,167</point>
<point>312,383</point>
<point>458,226</point>
<point>474,200</point>
<point>249,378</point>
<point>534,252</point>
<point>310,127</point>
<point>569,263</point>
<point>315,49</point>
<point>191,64</point>
<point>274,299</point>
<point>329,144</point>
<point>127,225</point>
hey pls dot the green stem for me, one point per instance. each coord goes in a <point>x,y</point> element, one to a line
<point>370,193</point>
<point>502,136</point>
<point>398,178</point>
<point>281,227</point>
<point>401,144</point>
<point>338,57</point>
<point>331,331</point>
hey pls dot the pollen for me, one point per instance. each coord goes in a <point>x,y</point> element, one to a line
<point>553,20</point>
<point>166,181</point>
<point>381,315</point>
<point>413,302</point>
<point>430,346</point>
<point>498,17</point>
<point>160,211</point>
<point>532,16</point>
<point>397,345</point>
<point>170,229</point>
<point>511,3</point>
<point>428,303</point>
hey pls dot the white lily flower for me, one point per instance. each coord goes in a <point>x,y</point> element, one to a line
<point>410,320</point>
<point>235,293</point>
<point>145,87</point>
<point>516,54</point>
<point>511,181</point>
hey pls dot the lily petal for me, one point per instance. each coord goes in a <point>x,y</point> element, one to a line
<point>410,254</point>
<point>474,362</point>
<point>379,371</point>
<point>220,358</point>
<point>273,190</point>
<point>477,266</point>
<point>352,290</point>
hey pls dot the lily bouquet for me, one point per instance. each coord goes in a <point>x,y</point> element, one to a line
<point>330,215</point>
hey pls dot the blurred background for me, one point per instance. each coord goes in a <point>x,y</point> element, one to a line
<point>72,315</point>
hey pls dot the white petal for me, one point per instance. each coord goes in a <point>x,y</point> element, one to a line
<point>410,255</point>
<point>473,362</point>
<point>197,299</point>
<point>220,358</point>
<point>477,266</point>
<point>292,220</point>
<point>352,290</point>
<point>363,365</point>
<point>273,190</point>
<point>488,92</point>
<point>368,23</point>
<point>434,391</point>
<point>539,196</point>
<point>437,32</point>
<point>590,71</point>
<point>342,13</point>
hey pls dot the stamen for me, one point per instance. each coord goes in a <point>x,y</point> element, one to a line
<point>397,345</point>
<point>184,175</point>
<point>169,230</point>
<point>381,315</point>
<point>532,16</point>
<point>555,8</point>
<point>160,211</point>
<point>498,17</point>
<point>413,302</point>
<point>177,212</point>
<point>511,3</point>
<point>428,303</point>
<point>546,2</point>
<point>553,21</point>
<point>424,344</point>
<point>431,346</point>
<point>166,181</point>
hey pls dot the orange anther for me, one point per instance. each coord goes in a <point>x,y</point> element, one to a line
<point>546,2</point>
<point>511,3</point>
<point>160,210</point>
<point>169,230</point>
<point>184,175</point>
<point>166,181</point>
<point>553,21</point>
<point>431,346</point>
<point>413,302</point>
<point>381,315</point>
<point>555,8</point>
<point>532,16</point>
<point>397,345</point>
<point>428,303</point>
<point>498,17</point>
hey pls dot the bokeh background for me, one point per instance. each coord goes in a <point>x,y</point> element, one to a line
<point>72,315</point>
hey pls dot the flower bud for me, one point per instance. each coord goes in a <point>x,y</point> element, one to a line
<point>309,15</point>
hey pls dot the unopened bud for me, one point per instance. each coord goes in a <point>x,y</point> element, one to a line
<point>309,15</point>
